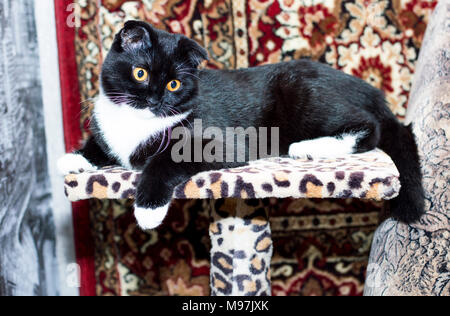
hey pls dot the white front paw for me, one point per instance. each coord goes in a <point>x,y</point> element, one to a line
<point>74,163</point>
<point>299,151</point>
<point>148,218</point>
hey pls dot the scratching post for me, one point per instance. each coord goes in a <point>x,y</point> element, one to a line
<point>241,248</point>
<point>240,230</point>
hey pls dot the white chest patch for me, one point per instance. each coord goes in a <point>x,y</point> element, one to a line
<point>124,128</point>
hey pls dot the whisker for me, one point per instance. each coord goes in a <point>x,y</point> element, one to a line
<point>185,132</point>
<point>189,74</point>
<point>175,112</point>
<point>118,93</point>
<point>173,109</point>
<point>169,135</point>
<point>188,69</point>
<point>88,100</point>
<point>161,145</point>
<point>181,65</point>
<point>179,113</point>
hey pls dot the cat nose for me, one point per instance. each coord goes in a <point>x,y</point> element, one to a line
<point>152,101</point>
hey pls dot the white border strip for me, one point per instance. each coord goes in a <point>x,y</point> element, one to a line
<point>62,210</point>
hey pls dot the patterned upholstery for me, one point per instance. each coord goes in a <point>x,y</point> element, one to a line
<point>320,247</point>
<point>415,260</point>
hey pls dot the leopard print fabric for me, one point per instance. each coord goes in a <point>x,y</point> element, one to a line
<point>242,248</point>
<point>371,175</point>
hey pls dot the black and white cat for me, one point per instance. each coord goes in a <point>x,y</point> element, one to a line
<point>150,84</point>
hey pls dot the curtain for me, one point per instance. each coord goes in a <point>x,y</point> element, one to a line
<point>27,231</point>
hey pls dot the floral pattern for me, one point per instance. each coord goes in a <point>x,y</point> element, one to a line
<point>365,38</point>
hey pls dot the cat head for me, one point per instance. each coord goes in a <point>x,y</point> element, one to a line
<point>147,68</point>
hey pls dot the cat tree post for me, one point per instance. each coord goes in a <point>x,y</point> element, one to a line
<point>241,249</point>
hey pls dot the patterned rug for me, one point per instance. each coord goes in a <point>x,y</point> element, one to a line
<point>375,40</point>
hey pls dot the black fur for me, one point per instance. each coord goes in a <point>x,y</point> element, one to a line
<point>307,100</point>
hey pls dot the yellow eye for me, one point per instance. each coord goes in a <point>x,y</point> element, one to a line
<point>174,85</point>
<point>140,74</point>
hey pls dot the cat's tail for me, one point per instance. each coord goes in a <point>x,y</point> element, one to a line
<point>399,143</point>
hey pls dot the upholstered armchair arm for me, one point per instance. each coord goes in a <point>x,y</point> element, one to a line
<point>415,259</point>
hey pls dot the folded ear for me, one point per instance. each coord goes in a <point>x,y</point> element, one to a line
<point>194,52</point>
<point>134,35</point>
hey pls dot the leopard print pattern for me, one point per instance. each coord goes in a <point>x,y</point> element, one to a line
<point>242,248</point>
<point>109,183</point>
<point>371,175</point>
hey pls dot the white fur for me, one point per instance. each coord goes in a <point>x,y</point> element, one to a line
<point>325,147</point>
<point>73,163</point>
<point>124,128</point>
<point>148,218</point>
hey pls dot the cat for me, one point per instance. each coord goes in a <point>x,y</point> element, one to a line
<point>151,83</point>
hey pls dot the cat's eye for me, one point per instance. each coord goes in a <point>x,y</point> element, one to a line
<point>174,85</point>
<point>140,74</point>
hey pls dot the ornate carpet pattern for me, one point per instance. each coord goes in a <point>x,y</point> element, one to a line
<point>378,41</point>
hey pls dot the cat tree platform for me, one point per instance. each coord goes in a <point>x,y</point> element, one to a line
<point>241,237</point>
